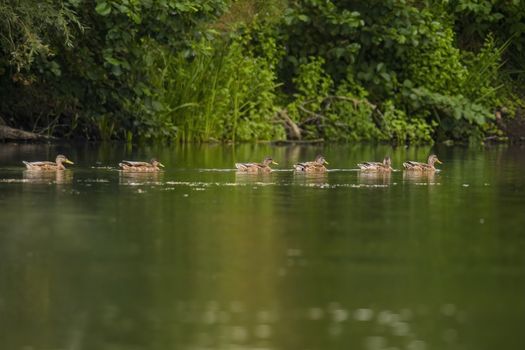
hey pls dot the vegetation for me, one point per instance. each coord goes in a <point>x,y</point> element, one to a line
<point>401,71</point>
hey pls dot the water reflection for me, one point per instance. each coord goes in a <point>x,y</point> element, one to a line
<point>140,178</point>
<point>48,177</point>
<point>374,178</point>
<point>310,179</point>
<point>206,262</point>
<point>420,177</point>
<point>242,177</point>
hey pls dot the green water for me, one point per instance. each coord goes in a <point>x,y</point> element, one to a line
<point>202,258</point>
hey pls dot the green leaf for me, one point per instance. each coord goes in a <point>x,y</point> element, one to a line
<point>103,9</point>
<point>116,70</point>
<point>55,69</point>
<point>303,18</point>
<point>112,61</point>
<point>385,76</point>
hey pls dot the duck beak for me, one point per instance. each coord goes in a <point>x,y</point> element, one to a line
<point>161,165</point>
<point>326,162</point>
<point>68,161</point>
<point>274,162</point>
<point>438,161</point>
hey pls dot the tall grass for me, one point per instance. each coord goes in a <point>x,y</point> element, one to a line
<point>483,71</point>
<point>219,92</point>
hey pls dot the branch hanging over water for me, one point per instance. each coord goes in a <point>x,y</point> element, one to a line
<point>293,131</point>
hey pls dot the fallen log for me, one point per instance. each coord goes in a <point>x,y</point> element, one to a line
<point>11,134</point>
<point>297,142</point>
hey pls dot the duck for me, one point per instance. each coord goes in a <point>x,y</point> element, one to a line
<point>133,166</point>
<point>49,166</point>
<point>264,166</point>
<point>377,166</point>
<point>416,166</point>
<point>317,166</point>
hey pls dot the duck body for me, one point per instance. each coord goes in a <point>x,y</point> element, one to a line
<point>385,166</point>
<point>422,167</point>
<point>58,164</point>
<point>253,168</point>
<point>317,166</point>
<point>143,167</point>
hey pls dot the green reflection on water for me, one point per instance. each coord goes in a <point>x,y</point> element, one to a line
<point>201,257</point>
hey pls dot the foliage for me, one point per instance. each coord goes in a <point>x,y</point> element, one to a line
<point>29,29</point>
<point>323,112</point>
<point>400,53</point>
<point>238,70</point>
<point>400,128</point>
<point>101,78</point>
<point>346,114</point>
<point>474,20</point>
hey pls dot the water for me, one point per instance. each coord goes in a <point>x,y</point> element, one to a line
<point>202,258</point>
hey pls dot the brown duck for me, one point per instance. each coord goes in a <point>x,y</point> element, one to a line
<point>416,166</point>
<point>385,166</point>
<point>264,166</point>
<point>49,166</point>
<point>317,166</point>
<point>132,166</point>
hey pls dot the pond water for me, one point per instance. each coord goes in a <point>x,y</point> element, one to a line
<point>199,257</point>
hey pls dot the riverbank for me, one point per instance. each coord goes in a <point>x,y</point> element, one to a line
<point>251,70</point>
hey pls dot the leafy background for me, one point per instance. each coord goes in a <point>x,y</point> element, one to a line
<point>247,70</point>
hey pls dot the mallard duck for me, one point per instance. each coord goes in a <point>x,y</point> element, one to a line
<point>49,166</point>
<point>377,166</point>
<point>153,166</point>
<point>256,167</point>
<point>416,166</point>
<point>317,166</point>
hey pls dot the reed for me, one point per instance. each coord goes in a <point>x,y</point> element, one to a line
<point>213,90</point>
